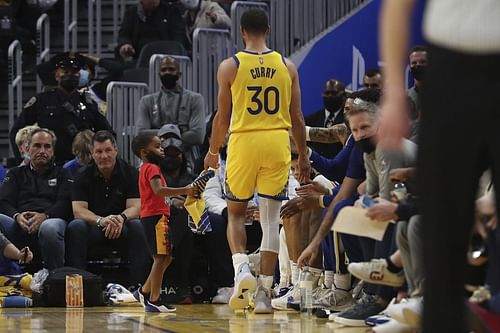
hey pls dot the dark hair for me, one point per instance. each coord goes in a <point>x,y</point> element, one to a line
<point>372,72</point>
<point>103,136</point>
<point>44,130</point>
<point>294,156</point>
<point>418,48</point>
<point>141,141</point>
<point>254,21</point>
<point>371,95</point>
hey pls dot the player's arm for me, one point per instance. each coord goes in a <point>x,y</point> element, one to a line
<point>336,133</point>
<point>394,39</point>
<point>298,124</point>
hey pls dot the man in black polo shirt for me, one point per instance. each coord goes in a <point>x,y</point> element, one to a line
<point>36,201</point>
<point>106,207</point>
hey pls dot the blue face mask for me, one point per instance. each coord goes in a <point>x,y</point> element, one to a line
<point>84,78</point>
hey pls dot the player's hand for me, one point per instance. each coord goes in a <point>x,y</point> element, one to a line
<point>308,203</point>
<point>383,210</point>
<point>394,121</point>
<point>211,161</point>
<point>306,257</point>
<point>290,208</point>
<point>313,188</point>
<point>304,169</point>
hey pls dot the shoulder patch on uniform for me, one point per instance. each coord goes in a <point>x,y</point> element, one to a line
<point>30,102</point>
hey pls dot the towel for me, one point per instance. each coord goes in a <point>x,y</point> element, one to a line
<point>198,220</point>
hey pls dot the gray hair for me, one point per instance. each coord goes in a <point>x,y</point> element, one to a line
<point>359,105</point>
<point>44,130</point>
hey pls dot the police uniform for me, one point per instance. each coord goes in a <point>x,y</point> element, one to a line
<point>258,155</point>
<point>65,114</point>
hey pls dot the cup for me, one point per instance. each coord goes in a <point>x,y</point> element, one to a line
<point>74,291</point>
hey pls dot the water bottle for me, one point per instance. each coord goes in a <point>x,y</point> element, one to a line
<point>399,192</point>
<point>306,292</point>
<point>17,302</point>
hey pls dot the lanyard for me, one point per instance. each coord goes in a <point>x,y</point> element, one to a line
<point>178,107</point>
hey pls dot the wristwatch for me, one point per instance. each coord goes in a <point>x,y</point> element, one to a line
<point>98,221</point>
<point>124,217</point>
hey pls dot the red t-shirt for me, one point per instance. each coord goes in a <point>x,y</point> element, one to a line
<point>151,204</point>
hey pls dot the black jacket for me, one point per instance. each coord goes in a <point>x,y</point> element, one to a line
<point>317,119</point>
<point>24,189</point>
<point>64,114</point>
<point>138,29</point>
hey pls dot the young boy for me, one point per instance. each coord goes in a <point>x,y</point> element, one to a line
<point>154,217</point>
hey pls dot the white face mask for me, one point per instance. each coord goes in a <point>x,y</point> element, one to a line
<point>190,4</point>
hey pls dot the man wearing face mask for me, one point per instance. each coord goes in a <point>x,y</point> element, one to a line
<point>175,105</point>
<point>334,97</point>
<point>418,64</point>
<point>63,109</point>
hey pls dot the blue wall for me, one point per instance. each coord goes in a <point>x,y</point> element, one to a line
<point>345,53</point>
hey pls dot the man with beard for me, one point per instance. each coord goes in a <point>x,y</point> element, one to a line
<point>35,201</point>
<point>64,109</point>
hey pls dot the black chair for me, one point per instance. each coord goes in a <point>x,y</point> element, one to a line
<point>135,75</point>
<point>159,47</point>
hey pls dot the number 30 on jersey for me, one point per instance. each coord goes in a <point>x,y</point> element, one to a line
<point>267,99</point>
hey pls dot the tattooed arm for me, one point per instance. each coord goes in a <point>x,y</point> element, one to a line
<point>336,133</point>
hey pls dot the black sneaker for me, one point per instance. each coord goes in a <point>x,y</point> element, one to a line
<point>368,305</point>
<point>157,306</point>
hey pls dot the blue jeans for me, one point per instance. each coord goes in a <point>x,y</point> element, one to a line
<point>48,241</point>
<point>81,235</point>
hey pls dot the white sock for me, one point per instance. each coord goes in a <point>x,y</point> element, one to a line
<point>265,281</point>
<point>329,276</point>
<point>238,260</point>
<point>295,272</point>
<point>342,281</point>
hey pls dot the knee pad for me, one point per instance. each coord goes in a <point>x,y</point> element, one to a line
<point>269,210</point>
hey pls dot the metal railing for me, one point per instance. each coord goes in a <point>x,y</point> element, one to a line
<point>15,82</point>
<point>122,111</point>
<point>237,9</point>
<point>210,47</point>
<point>42,44</point>
<point>185,67</point>
<point>95,27</point>
<point>119,7</point>
<point>70,25</point>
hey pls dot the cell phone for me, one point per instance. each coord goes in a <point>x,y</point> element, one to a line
<point>367,202</point>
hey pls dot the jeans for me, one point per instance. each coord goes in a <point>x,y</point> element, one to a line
<point>47,242</point>
<point>81,235</point>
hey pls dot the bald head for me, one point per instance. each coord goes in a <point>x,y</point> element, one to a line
<point>333,85</point>
<point>169,72</point>
<point>334,95</point>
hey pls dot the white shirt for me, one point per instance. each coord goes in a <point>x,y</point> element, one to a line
<point>327,113</point>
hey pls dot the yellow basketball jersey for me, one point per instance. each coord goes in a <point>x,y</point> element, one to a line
<point>261,92</point>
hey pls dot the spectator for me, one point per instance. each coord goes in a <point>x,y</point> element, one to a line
<point>418,65</point>
<point>82,149</point>
<point>106,206</point>
<point>334,97</point>
<point>35,201</point>
<point>373,79</point>
<point>175,105</point>
<point>22,139</point>
<point>149,21</point>
<point>204,14</point>
<point>64,109</point>
<point>10,251</point>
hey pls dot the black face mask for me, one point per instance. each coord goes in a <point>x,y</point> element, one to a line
<point>69,82</point>
<point>169,80</point>
<point>153,158</point>
<point>366,145</point>
<point>171,163</point>
<point>418,72</point>
<point>333,103</point>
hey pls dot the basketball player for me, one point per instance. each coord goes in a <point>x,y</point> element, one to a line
<point>259,101</point>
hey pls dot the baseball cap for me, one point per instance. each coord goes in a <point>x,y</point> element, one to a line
<point>169,129</point>
<point>68,60</point>
<point>172,142</point>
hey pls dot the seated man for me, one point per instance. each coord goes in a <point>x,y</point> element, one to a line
<point>175,105</point>
<point>106,206</point>
<point>35,201</point>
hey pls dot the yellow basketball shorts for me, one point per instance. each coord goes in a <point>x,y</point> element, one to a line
<point>257,160</point>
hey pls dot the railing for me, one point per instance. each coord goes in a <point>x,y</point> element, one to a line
<point>15,82</point>
<point>119,7</point>
<point>42,44</point>
<point>95,21</point>
<point>70,25</point>
<point>122,108</point>
<point>237,9</point>
<point>185,67</point>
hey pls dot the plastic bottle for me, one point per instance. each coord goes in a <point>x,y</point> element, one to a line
<point>306,292</point>
<point>399,191</point>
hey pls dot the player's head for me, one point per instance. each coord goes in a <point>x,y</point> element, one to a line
<point>148,148</point>
<point>254,23</point>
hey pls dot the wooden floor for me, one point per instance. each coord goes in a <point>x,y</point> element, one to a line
<point>188,318</point>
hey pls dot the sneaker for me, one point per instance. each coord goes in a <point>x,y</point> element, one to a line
<point>356,315</point>
<point>262,301</point>
<point>334,300</point>
<point>282,291</point>
<point>281,303</point>
<point>409,312</point>
<point>223,295</point>
<point>376,272</point>
<point>157,306</point>
<point>357,291</point>
<point>245,283</point>
<point>139,296</point>
<point>393,326</point>
<point>377,320</point>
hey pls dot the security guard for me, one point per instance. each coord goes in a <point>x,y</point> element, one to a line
<point>63,109</point>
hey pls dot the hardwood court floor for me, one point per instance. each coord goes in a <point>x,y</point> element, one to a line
<point>197,318</point>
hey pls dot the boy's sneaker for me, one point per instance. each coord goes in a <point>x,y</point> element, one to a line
<point>334,300</point>
<point>244,284</point>
<point>356,315</point>
<point>262,301</point>
<point>139,296</point>
<point>223,295</point>
<point>409,312</point>
<point>376,272</point>
<point>157,306</point>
